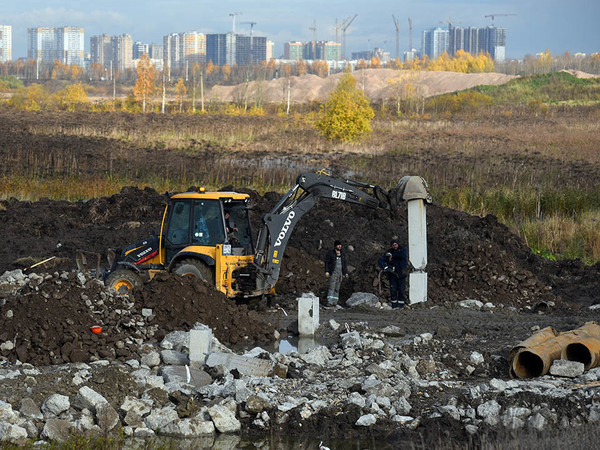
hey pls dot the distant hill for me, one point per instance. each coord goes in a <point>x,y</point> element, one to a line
<point>378,84</point>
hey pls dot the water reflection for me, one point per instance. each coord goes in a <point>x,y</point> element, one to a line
<point>301,345</point>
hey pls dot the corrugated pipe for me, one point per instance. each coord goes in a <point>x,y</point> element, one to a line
<point>586,351</point>
<point>534,356</point>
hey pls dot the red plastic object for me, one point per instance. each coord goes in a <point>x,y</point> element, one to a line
<point>96,329</point>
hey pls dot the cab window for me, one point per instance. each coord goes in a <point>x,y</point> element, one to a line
<point>208,223</point>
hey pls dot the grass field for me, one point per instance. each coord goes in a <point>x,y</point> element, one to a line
<point>529,155</point>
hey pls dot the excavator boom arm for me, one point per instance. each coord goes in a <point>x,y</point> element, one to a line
<point>279,223</point>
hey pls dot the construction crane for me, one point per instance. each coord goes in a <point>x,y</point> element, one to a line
<point>497,15</point>
<point>314,40</point>
<point>410,46</point>
<point>345,24</point>
<point>251,56</point>
<point>251,26</point>
<point>449,22</point>
<point>397,24</point>
<point>232,15</point>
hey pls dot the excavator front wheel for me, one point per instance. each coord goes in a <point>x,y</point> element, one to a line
<point>123,281</point>
<point>195,268</point>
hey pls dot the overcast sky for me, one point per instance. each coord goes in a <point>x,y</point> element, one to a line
<point>557,25</point>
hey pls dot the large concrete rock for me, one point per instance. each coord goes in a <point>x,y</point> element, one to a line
<point>188,428</point>
<point>224,419</point>
<point>107,417</point>
<point>362,298</point>
<point>55,405</point>
<point>13,434</point>
<point>88,398</point>
<point>56,430</point>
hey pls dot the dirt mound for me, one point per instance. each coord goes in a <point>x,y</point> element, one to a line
<point>378,84</point>
<point>178,303</point>
<point>48,320</point>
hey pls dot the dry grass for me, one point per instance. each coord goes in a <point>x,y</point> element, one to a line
<point>538,174</point>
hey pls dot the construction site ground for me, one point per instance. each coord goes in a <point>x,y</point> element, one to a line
<point>469,257</point>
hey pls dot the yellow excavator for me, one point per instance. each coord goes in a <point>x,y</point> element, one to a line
<point>208,234</point>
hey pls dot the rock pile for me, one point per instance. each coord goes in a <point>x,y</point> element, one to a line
<point>46,319</point>
<point>368,381</point>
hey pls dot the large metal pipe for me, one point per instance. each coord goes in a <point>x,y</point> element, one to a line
<point>586,351</point>
<point>534,356</point>
<point>541,336</point>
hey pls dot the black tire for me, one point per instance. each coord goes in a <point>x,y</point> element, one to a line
<point>195,268</point>
<point>123,281</point>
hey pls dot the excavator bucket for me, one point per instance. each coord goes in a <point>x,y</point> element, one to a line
<point>82,262</point>
<point>410,188</point>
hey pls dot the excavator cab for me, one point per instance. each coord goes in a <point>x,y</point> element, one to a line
<point>203,234</point>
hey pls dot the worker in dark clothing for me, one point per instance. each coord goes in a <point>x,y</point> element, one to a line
<point>395,264</point>
<point>335,269</point>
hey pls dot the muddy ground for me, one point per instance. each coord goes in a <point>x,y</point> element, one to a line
<point>469,258</point>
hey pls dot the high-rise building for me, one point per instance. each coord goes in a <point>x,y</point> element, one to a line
<point>139,48</point>
<point>156,51</point>
<point>193,47</point>
<point>269,55</point>
<point>181,49</point>
<point>100,50</point>
<point>237,49</point>
<point>463,38</point>
<point>329,51</point>
<point>114,52</point>
<point>46,44</point>
<point>293,51</point>
<point>323,50</point>
<point>5,43</point>
<point>494,42</point>
<point>490,40</point>
<point>435,42</point>
<point>220,48</point>
<point>122,51</point>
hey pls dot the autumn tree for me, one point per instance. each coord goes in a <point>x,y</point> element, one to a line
<point>146,77</point>
<point>72,98</point>
<point>301,67</point>
<point>225,71</point>
<point>375,63</point>
<point>347,114</point>
<point>180,90</point>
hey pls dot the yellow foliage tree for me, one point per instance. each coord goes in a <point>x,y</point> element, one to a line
<point>375,63</point>
<point>347,114</point>
<point>320,68</point>
<point>301,67</point>
<point>180,90</point>
<point>146,78</point>
<point>32,98</point>
<point>226,71</point>
<point>72,98</point>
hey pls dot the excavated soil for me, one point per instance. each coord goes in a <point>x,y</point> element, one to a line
<point>469,258</point>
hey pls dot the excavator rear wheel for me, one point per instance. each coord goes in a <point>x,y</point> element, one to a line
<point>195,268</point>
<point>123,281</point>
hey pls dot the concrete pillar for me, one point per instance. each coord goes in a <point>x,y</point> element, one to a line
<point>417,250</point>
<point>308,314</point>
<point>306,344</point>
<point>200,344</point>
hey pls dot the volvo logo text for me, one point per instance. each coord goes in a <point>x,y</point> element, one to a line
<point>285,228</point>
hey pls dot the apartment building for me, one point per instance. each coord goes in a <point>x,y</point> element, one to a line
<point>181,49</point>
<point>5,43</point>
<point>112,51</point>
<point>47,44</point>
<point>435,42</point>
<point>490,40</point>
<point>323,50</point>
